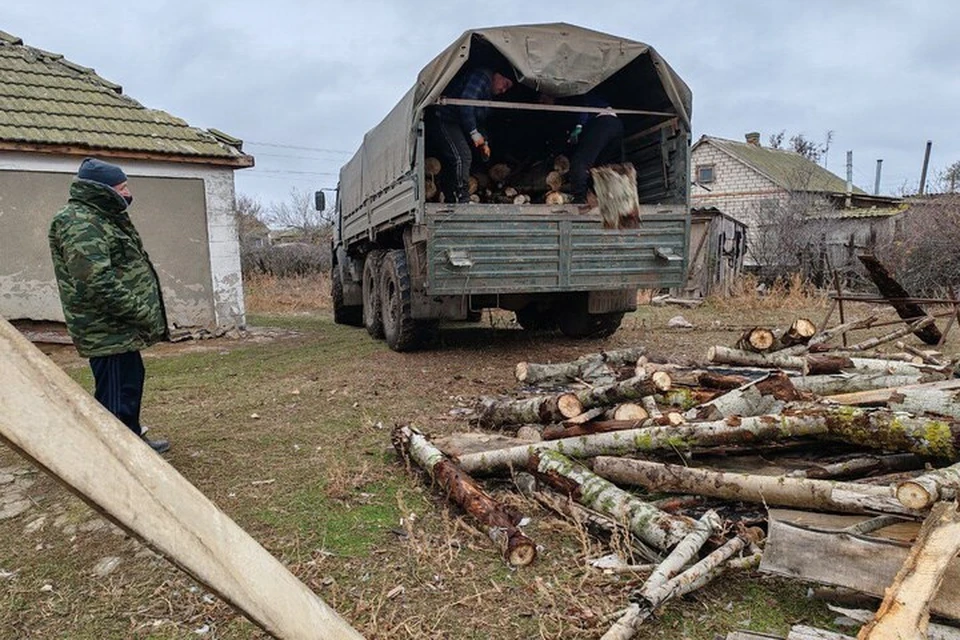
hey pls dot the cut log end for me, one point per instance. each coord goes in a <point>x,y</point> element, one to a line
<point>554,180</point>
<point>431,166</point>
<point>757,339</point>
<point>661,380</point>
<point>561,164</point>
<point>630,411</point>
<point>569,405</point>
<point>522,552</point>
<point>554,198</point>
<point>522,371</point>
<point>913,496</point>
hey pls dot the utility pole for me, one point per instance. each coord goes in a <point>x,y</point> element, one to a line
<point>849,178</point>
<point>876,181</point>
<point>926,163</point>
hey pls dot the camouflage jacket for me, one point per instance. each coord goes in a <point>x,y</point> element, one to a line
<point>108,287</point>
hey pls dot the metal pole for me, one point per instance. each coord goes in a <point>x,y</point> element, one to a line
<point>876,182</point>
<point>926,163</point>
<point>849,177</point>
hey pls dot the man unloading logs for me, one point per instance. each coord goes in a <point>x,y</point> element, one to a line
<point>457,130</point>
<point>598,140</point>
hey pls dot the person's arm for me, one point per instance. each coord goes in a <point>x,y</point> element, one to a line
<point>477,87</point>
<point>86,254</point>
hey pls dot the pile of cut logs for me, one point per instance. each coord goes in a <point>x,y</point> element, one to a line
<point>542,182</point>
<point>842,446</point>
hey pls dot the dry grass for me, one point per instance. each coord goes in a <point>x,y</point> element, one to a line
<point>791,294</point>
<point>270,294</point>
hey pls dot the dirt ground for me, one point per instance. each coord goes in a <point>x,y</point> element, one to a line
<point>287,430</point>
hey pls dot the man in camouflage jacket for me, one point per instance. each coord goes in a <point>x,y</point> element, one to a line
<point>108,288</point>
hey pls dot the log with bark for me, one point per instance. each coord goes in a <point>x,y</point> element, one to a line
<point>799,332</point>
<point>592,368</point>
<point>876,429</point>
<point>872,343</point>
<point>846,384</point>
<point>766,395</point>
<point>656,528</point>
<point>628,390</point>
<point>617,198</point>
<point>500,525</point>
<point>905,612</point>
<point>498,173</point>
<point>561,164</point>
<point>923,491</point>
<point>928,357</point>
<point>500,412</point>
<point>820,495</point>
<point>898,298</point>
<point>822,337</point>
<point>809,364</point>
<point>756,339</point>
<point>888,394</point>
<point>861,466</point>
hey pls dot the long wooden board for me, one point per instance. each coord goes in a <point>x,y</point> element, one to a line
<point>823,553</point>
<point>52,421</point>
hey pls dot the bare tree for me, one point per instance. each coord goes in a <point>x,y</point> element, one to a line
<point>809,149</point>
<point>927,262</point>
<point>250,224</point>
<point>298,213</point>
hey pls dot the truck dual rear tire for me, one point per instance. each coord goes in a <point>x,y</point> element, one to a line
<point>400,330</point>
<point>342,314</point>
<point>577,323</point>
<point>372,301</point>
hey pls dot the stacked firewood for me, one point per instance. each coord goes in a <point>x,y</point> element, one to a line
<point>542,182</point>
<point>584,431</point>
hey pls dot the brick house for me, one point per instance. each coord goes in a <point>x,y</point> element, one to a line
<point>53,113</point>
<point>763,187</point>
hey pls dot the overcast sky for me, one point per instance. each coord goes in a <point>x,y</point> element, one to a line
<point>883,75</point>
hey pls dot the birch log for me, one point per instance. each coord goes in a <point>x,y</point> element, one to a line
<point>829,334</point>
<point>812,363</point>
<point>819,495</point>
<point>628,390</point>
<point>756,339</point>
<point>501,526</point>
<point>52,421</point>
<point>583,368</point>
<point>657,528</point>
<point>921,492</point>
<point>876,341</point>
<point>767,395</point>
<point>847,383</point>
<point>886,395</point>
<point>877,429</point>
<point>905,611</point>
<point>944,402</point>
<point>543,409</point>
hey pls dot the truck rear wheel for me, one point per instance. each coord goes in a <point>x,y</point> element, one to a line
<point>577,323</point>
<point>342,314</point>
<point>400,330</point>
<point>372,301</point>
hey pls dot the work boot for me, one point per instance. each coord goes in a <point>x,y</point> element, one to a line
<point>160,446</point>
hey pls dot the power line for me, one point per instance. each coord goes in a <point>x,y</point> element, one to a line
<point>285,171</point>
<point>291,146</point>
<point>284,155</point>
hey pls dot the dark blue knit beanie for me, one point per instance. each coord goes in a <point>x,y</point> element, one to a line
<point>102,172</point>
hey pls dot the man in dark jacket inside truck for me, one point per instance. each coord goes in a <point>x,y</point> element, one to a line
<point>108,289</point>
<point>456,130</point>
<point>598,138</point>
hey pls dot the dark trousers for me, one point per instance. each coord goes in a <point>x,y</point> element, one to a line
<point>452,148</point>
<point>601,142</point>
<point>119,386</point>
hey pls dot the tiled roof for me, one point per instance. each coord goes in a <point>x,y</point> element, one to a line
<point>787,169</point>
<point>48,101</point>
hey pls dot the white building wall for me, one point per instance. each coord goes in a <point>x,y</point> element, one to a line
<point>224,246</point>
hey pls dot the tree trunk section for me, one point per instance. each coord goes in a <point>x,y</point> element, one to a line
<point>767,395</point>
<point>501,526</point>
<point>812,363</point>
<point>837,386</point>
<point>500,412</point>
<point>896,295</point>
<point>757,339</point>
<point>829,334</point>
<point>617,198</point>
<point>588,367</point>
<point>905,612</point>
<point>632,389</point>
<point>922,492</point>
<point>659,529</point>
<point>886,395</point>
<point>876,429</point>
<point>820,495</point>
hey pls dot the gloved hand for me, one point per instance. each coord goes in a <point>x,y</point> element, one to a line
<point>480,143</point>
<point>574,136</point>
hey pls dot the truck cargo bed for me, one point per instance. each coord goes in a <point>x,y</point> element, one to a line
<point>500,249</point>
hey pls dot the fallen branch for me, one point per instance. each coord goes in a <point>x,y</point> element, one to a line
<point>876,341</point>
<point>518,549</point>
<point>654,527</point>
<point>820,495</point>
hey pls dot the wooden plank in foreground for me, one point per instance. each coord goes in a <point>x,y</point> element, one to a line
<point>750,635</point>
<point>822,553</point>
<point>52,421</point>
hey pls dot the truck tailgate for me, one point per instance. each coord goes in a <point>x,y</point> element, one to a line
<point>474,249</point>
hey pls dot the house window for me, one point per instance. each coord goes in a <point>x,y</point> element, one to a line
<point>705,173</point>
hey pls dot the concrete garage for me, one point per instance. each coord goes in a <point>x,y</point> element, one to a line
<point>53,113</point>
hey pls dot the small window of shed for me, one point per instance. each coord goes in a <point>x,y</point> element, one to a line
<point>705,173</point>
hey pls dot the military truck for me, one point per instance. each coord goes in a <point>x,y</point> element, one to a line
<point>402,262</point>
